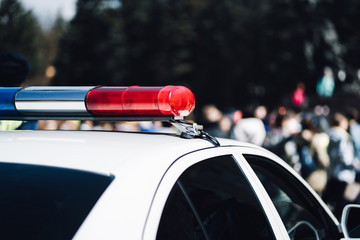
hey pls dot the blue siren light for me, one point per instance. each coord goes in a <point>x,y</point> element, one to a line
<point>7,101</point>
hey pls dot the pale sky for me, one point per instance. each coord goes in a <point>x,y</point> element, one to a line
<point>47,10</point>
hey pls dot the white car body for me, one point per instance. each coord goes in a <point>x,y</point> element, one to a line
<point>144,185</point>
<point>145,168</point>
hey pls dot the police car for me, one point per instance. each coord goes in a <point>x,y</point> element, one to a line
<point>132,185</point>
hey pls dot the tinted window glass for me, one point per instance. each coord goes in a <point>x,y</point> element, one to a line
<point>178,220</point>
<point>222,201</point>
<point>292,200</point>
<point>38,202</point>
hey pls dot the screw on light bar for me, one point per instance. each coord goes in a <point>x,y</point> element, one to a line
<point>96,102</point>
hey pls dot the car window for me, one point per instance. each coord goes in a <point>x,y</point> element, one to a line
<point>213,200</point>
<point>294,203</point>
<point>38,202</point>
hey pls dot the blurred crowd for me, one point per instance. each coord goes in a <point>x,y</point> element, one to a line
<point>322,146</point>
<point>129,126</point>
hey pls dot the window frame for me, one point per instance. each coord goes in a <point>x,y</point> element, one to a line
<point>277,160</point>
<point>174,171</point>
<point>303,196</point>
<point>305,186</point>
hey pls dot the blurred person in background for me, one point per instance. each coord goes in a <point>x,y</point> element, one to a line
<point>341,150</point>
<point>322,113</point>
<point>103,126</point>
<point>127,126</point>
<point>48,125</point>
<point>59,125</point>
<point>311,144</point>
<point>261,112</point>
<point>216,123</point>
<point>275,130</point>
<point>69,125</point>
<point>14,70</point>
<point>299,98</point>
<point>156,126</point>
<point>86,125</point>
<point>342,187</point>
<point>326,85</point>
<point>250,128</point>
<point>354,129</point>
<point>284,126</point>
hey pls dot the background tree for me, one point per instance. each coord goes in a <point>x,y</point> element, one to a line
<point>230,53</point>
<point>86,51</point>
<point>20,33</point>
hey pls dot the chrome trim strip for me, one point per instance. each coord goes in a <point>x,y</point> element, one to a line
<point>50,106</point>
<point>57,101</point>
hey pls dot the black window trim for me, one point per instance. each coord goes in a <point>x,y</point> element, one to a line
<point>193,209</point>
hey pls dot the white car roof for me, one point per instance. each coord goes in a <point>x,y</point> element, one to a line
<point>101,152</point>
<point>95,151</point>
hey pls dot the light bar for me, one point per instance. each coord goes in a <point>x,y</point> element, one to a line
<point>95,102</point>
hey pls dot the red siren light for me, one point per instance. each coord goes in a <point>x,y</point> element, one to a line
<point>176,101</point>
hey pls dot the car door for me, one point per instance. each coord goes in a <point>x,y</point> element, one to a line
<point>296,204</point>
<point>210,194</point>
